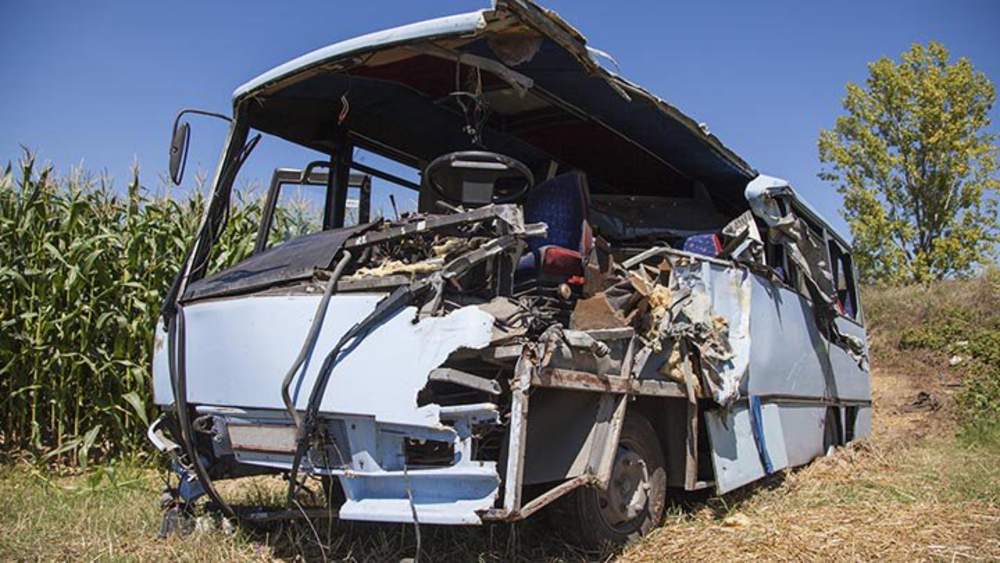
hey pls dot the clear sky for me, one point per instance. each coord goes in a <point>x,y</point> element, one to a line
<point>99,82</point>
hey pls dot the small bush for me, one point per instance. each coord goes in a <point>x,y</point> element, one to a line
<point>954,318</point>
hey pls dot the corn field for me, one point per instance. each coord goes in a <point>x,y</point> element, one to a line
<point>83,268</point>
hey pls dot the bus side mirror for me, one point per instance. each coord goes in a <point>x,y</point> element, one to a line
<point>178,150</point>
<point>180,140</point>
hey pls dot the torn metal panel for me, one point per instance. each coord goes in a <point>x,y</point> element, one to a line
<point>706,306</point>
<point>526,366</point>
<point>736,457</point>
<point>458,377</point>
<point>745,243</point>
<point>585,381</point>
<point>774,201</point>
<point>263,334</point>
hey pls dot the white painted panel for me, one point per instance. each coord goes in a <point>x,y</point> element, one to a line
<point>238,351</point>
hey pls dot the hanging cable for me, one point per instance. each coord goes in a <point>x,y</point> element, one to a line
<point>310,341</point>
<point>413,511</point>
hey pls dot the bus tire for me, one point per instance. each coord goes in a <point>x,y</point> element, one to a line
<point>634,501</point>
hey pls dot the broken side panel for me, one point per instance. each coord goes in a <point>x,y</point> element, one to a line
<point>741,453</point>
<point>570,433</point>
<point>853,380</point>
<point>755,438</point>
<point>238,350</point>
<point>791,357</point>
<point>721,298</point>
<point>801,394</point>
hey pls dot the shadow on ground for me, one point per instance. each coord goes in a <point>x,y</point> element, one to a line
<point>325,539</point>
<point>536,539</point>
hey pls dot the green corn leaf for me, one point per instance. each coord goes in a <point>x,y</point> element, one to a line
<point>138,406</point>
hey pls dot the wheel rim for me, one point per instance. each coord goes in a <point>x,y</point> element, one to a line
<point>627,494</point>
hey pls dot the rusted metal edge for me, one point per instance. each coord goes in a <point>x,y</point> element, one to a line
<point>558,378</point>
<point>507,213</point>
<point>524,372</point>
<point>691,443</point>
<point>602,459</point>
<point>465,379</point>
<point>668,251</point>
<point>546,498</point>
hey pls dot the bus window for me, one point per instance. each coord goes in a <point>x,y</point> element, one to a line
<point>843,278</point>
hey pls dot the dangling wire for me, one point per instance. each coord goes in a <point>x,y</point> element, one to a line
<point>470,99</point>
<point>345,107</point>
<point>413,511</point>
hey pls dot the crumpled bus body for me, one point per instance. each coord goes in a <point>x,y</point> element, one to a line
<point>465,366</point>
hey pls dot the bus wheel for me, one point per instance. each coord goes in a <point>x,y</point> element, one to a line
<point>634,501</point>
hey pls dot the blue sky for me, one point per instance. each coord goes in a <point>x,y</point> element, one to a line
<point>99,82</point>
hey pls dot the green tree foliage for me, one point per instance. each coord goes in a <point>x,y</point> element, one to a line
<point>917,167</point>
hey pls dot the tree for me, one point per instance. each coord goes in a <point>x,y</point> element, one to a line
<point>916,165</point>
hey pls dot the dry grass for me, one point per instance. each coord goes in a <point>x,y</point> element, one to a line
<point>901,496</point>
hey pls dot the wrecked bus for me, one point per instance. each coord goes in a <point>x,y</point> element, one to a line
<point>593,302</point>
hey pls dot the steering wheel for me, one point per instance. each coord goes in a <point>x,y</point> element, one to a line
<point>478,177</point>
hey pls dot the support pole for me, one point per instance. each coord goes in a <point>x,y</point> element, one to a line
<point>336,194</point>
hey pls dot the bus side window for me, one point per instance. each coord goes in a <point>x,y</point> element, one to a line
<point>298,211</point>
<point>843,278</point>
